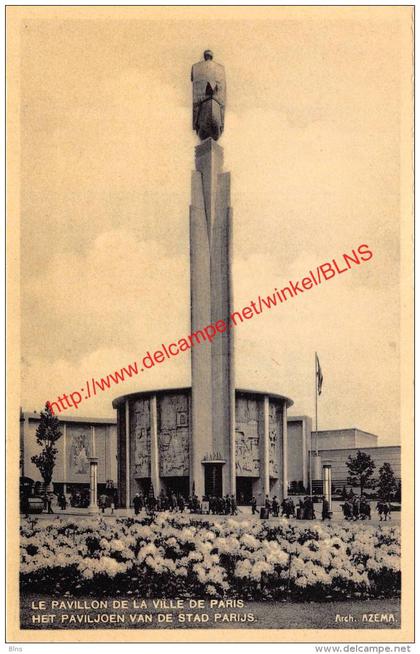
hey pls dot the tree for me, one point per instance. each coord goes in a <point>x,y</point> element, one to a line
<point>387,483</point>
<point>360,468</point>
<point>47,434</point>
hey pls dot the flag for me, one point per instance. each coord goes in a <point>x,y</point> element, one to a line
<point>319,375</point>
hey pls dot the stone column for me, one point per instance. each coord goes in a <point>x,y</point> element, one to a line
<point>127,455</point>
<point>106,432</point>
<point>64,458</point>
<point>266,446</point>
<point>154,446</point>
<point>285,476</point>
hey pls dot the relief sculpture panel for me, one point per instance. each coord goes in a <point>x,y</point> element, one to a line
<point>174,435</point>
<point>247,438</point>
<point>140,435</point>
<point>79,448</point>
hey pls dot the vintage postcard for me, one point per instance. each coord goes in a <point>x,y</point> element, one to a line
<point>210,294</point>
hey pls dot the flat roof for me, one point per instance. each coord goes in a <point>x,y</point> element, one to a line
<point>333,431</point>
<point>361,447</point>
<point>158,391</point>
<point>67,417</point>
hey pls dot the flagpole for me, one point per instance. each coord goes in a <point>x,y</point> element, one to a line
<point>316,405</point>
<point>310,456</point>
<point>310,461</point>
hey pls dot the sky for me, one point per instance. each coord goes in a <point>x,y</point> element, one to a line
<point>313,143</point>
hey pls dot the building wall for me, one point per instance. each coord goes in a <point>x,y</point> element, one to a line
<point>259,442</point>
<point>299,430</point>
<point>74,449</point>
<point>364,439</point>
<point>380,455</point>
<point>337,439</point>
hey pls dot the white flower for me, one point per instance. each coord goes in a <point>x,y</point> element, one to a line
<point>250,542</point>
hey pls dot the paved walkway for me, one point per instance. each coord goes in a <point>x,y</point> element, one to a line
<point>244,513</point>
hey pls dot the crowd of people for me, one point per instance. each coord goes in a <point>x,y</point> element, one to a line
<point>227,505</point>
<point>359,508</point>
<point>175,502</point>
<point>354,507</point>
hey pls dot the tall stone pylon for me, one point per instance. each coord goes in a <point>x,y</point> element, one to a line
<point>213,394</point>
<point>212,451</point>
<point>212,447</point>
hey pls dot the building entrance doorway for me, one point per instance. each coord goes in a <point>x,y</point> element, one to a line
<point>213,479</point>
<point>243,490</point>
<point>177,485</point>
<point>143,487</point>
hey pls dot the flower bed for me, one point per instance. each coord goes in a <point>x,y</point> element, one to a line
<point>176,557</point>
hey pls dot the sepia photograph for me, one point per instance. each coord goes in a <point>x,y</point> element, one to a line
<point>210,356</point>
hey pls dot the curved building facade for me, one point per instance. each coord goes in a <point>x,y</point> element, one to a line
<point>158,445</point>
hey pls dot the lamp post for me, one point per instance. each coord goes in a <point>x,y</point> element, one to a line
<point>327,484</point>
<point>93,470</point>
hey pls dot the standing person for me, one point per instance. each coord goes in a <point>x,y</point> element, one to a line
<point>62,502</point>
<point>233,505</point>
<point>364,507</point>
<point>387,510</point>
<point>164,501</point>
<point>227,504</point>
<point>174,502</point>
<point>311,508</point>
<point>276,506</point>
<point>290,507</point>
<point>152,502</point>
<point>181,503</point>
<point>136,503</point>
<point>347,510</point>
<point>356,508</point>
<point>300,510</point>
<point>325,508</point>
<point>267,505</point>
<point>254,505</point>
<point>49,502</point>
<point>284,507</point>
<point>205,505</point>
<point>308,508</point>
<point>196,504</point>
